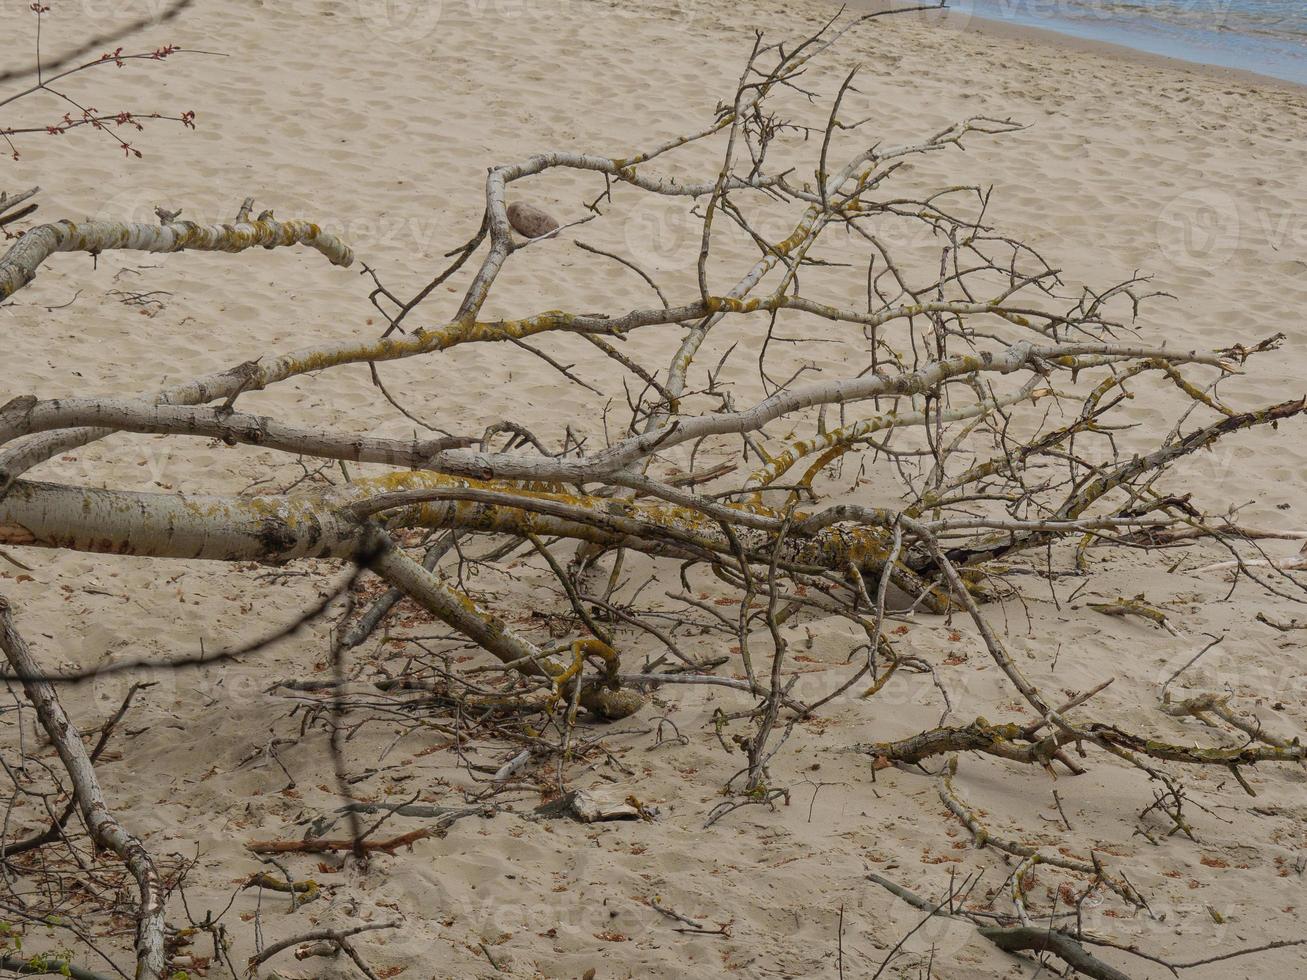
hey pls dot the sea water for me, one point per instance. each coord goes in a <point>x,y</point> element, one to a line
<point>1264,36</point>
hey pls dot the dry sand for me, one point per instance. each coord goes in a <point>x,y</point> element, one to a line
<point>324,110</point>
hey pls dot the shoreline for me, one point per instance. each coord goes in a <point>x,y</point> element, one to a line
<point>952,20</point>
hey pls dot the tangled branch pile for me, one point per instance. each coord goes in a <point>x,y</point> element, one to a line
<point>987,423</point>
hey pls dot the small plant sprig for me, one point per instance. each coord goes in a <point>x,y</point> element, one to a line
<point>113,124</point>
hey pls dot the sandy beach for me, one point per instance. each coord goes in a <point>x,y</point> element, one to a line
<point>379,121</point>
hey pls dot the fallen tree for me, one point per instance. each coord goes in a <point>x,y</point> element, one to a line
<point>947,416</point>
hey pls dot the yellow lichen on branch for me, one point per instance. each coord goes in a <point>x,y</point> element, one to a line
<point>18,266</point>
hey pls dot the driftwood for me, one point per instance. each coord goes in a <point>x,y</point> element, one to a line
<point>336,937</point>
<point>589,806</point>
<point>320,845</point>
